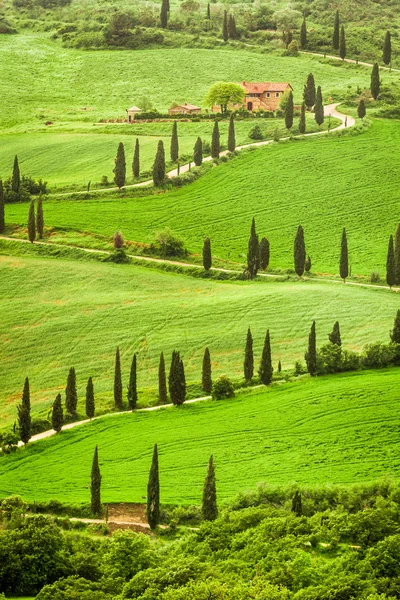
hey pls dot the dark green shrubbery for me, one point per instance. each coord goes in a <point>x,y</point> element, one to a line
<point>222,388</point>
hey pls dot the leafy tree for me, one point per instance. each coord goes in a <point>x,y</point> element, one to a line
<point>215,141</point>
<point>2,212</point>
<point>296,504</point>
<point>223,93</point>
<point>71,395</point>
<point>264,253</point>
<point>336,32</point>
<point>342,43</point>
<point>248,366</point>
<point>302,120</point>
<point>120,166</point>
<point>222,388</point>
<point>136,160</point>
<point>209,505</point>
<point>307,265</point>
<point>387,49</point>
<point>390,264</point>
<point>16,176</point>
<point>159,165</point>
<point>118,240</point>
<point>206,380</point>
<point>174,142</point>
<point>24,414</point>
<point>164,14</point>
<point>361,110</point>
<point>253,252</point>
<point>176,380</point>
<point>57,417</point>
<point>397,255</point>
<point>207,260</point>
<point>153,492</point>
<point>95,485</point>
<point>395,334</point>
<point>132,388</point>
<point>39,217</point>
<point>225,33</point>
<point>344,257</point>
<point>266,368</point>
<point>289,111</point>
<point>198,152</point>
<point>303,34</point>
<point>231,134</point>
<point>334,336</point>
<point>90,405</point>
<point>299,251</point>
<point>117,381</point>
<point>31,222</point>
<point>311,354</point>
<point>309,93</point>
<point>162,381</point>
<point>319,107</point>
<point>375,81</point>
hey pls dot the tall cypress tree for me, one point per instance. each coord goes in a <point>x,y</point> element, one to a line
<point>264,253</point>
<point>390,264</point>
<point>361,110</point>
<point>397,255</point>
<point>132,388</point>
<point>302,120</point>
<point>297,508</point>
<point>120,166</point>
<point>57,417</point>
<point>71,395</point>
<point>117,381</point>
<point>136,160</point>
<point>209,507</point>
<point>334,336</point>
<point>31,222</point>
<point>299,251</point>
<point>207,260</point>
<point>336,32</point>
<point>266,368</point>
<point>319,107</point>
<point>164,14</point>
<point>310,92</point>
<point>342,43</point>
<point>231,134</point>
<point>395,334</point>
<point>303,34</point>
<point>95,485</point>
<point>225,33</point>
<point>162,381</point>
<point>208,11</point>
<point>253,252</point>
<point>375,81</point>
<point>174,143</point>
<point>159,165</point>
<point>344,257</point>
<point>16,176</point>
<point>153,492</point>
<point>311,354</point>
<point>307,264</point>
<point>248,365</point>
<point>90,405</point>
<point>2,208</point>
<point>289,111</point>
<point>215,141</point>
<point>206,380</point>
<point>40,218</point>
<point>198,152</point>
<point>176,380</point>
<point>24,414</point>
<point>387,49</point>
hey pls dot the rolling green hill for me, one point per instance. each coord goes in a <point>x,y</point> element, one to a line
<point>341,429</point>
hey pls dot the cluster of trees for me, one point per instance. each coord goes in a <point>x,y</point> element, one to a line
<point>19,187</point>
<point>393,260</point>
<point>35,221</point>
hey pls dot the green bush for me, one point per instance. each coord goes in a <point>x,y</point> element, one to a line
<point>256,133</point>
<point>222,388</point>
<point>333,359</point>
<point>378,355</point>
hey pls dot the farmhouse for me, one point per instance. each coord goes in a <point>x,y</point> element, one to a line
<point>260,96</point>
<point>184,109</point>
<point>134,110</point>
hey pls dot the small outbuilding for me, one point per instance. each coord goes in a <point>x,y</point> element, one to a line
<point>184,109</point>
<point>134,110</point>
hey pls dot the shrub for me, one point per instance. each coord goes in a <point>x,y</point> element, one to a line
<point>222,388</point>
<point>118,240</point>
<point>299,368</point>
<point>333,359</point>
<point>375,277</point>
<point>168,244</point>
<point>256,133</point>
<point>380,355</point>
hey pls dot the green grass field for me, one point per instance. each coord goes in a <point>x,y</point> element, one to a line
<point>76,312</point>
<point>340,429</point>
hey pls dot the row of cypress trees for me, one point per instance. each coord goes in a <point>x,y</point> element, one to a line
<point>35,223</point>
<point>393,260</point>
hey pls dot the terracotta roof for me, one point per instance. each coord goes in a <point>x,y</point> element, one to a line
<point>134,109</point>
<point>259,88</point>
<point>188,106</point>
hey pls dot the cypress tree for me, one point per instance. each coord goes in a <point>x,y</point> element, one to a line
<point>395,334</point>
<point>225,33</point>
<point>39,217</point>
<point>174,143</point>
<point>279,367</point>
<point>162,381</point>
<point>289,111</point>
<point>336,32</point>
<point>176,380</point>
<point>215,141</point>
<point>344,257</point>
<point>264,253</point>
<point>95,485</point>
<point>299,252</point>
<point>390,264</point>
<point>31,222</point>
<point>120,166</point>
<point>90,406</point>
<point>24,414</point>
<point>209,505</point>
<point>309,92</point>
<point>132,388</point>
<point>206,381</point>
<point>159,165</point>
<point>375,81</point>
<point>387,49</point>
<point>311,354</point>
<point>334,336</point>
<point>302,120</point>
<point>207,261</point>
<point>16,176</point>
<point>397,256</point>
<point>231,134</point>
<point>164,14</point>
<point>2,207</point>
<point>117,381</point>
<point>361,110</point>
<point>57,417</point>
<point>208,11</point>
<point>319,107</point>
<point>153,492</point>
<point>266,368</point>
<point>307,265</point>
<point>198,152</point>
<point>71,396</point>
<point>232,33</point>
<point>248,366</point>
<point>136,160</point>
<point>303,34</point>
<point>253,252</point>
<point>342,43</point>
<point>297,508</point>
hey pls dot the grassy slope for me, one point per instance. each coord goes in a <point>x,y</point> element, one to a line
<point>341,429</point>
<point>76,313</point>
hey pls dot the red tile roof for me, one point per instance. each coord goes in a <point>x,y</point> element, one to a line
<point>186,105</point>
<point>259,88</point>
